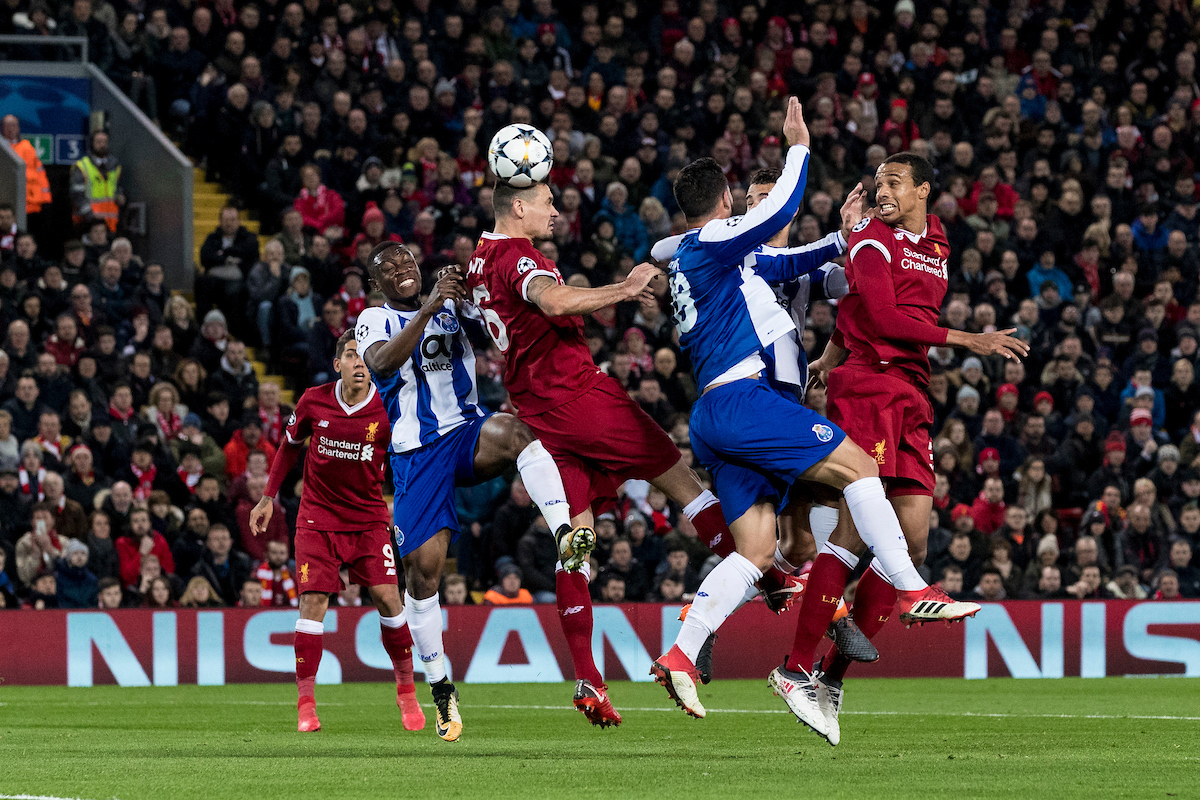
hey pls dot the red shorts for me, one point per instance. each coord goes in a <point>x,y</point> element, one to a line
<point>888,416</point>
<point>320,554</point>
<point>600,440</point>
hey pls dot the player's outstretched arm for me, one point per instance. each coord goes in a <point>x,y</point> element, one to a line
<point>558,300</point>
<point>989,344</point>
<point>779,264</point>
<point>384,358</point>
<point>729,241</point>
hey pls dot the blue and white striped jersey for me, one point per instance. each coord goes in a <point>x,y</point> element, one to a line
<point>434,392</point>
<point>722,303</point>
<point>787,363</point>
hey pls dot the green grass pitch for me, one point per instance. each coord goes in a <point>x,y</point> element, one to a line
<point>1110,738</point>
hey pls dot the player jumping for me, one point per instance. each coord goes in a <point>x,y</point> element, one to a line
<point>801,530</point>
<point>342,520</point>
<point>423,364</point>
<point>598,436</point>
<point>897,271</point>
<point>755,441</point>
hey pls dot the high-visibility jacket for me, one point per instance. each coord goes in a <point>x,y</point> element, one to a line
<point>37,186</point>
<point>101,191</point>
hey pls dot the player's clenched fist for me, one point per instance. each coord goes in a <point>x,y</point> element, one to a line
<point>639,278</point>
<point>448,287</point>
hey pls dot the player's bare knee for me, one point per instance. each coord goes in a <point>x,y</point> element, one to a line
<point>313,605</point>
<point>519,438</point>
<point>510,435</point>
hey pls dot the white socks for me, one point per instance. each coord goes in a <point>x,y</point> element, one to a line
<point>880,528</point>
<point>314,627</point>
<point>702,501</point>
<point>720,595</point>
<point>544,484</point>
<point>393,622</point>
<point>425,624</point>
<point>841,554</point>
<point>822,520</point>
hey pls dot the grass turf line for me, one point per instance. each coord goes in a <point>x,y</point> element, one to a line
<point>904,738</point>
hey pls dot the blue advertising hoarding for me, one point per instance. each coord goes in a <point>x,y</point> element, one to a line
<point>53,112</point>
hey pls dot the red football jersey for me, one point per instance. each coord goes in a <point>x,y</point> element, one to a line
<point>547,361</point>
<point>343,471</point>
<point>897,283</point>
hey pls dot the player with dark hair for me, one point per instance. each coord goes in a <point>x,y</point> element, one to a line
<point>421,359</point>
<point>598,436</point>
<point>811,513</point>
<point>342,520</point>
<point>897,270</point>
<point>754,440</point>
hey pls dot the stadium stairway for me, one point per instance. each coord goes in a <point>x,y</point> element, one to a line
<point>207,201</point>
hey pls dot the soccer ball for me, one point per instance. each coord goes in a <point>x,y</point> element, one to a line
<point>520,155</point>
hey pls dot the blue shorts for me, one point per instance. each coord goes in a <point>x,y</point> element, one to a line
<point>425,479</point>
<point>756,441</point>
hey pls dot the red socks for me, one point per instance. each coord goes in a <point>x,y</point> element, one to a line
<point>308,658</point>
<point>873,604</point>
<point>714,532</point>
<point>826,582</point>
<point>575,614</point>
<point>398,643</point>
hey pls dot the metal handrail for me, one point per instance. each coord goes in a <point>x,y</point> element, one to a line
<point>55,41</point>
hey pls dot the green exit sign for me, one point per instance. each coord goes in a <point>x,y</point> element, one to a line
<point>44,144</point>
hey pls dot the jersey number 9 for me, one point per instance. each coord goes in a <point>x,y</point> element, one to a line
<point>681,301</point>
<point>495,325</point>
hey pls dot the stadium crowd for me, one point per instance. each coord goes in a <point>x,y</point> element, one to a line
<point>135,436</point>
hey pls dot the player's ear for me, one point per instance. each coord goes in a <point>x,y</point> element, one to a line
<point>923,190</point>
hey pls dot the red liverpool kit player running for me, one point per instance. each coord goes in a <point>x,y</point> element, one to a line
<point>343,520</point>
<point>597,435</point>
<point>897,270</point>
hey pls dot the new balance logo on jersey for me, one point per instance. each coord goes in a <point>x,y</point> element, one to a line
<point>323,423</point>
<point>571,610</point>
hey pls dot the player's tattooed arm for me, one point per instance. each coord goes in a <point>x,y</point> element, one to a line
<point>558,300</point>
<point>384,358</point>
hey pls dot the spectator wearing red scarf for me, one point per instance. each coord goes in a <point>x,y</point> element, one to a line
<point>272,413</point>
<point>275,575</point>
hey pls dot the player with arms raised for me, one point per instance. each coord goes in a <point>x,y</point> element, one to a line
<point>897,271</point>
<point>598,436</point>
<point>422,362</point>
<point>755,440</point>
<point>342,520</point>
